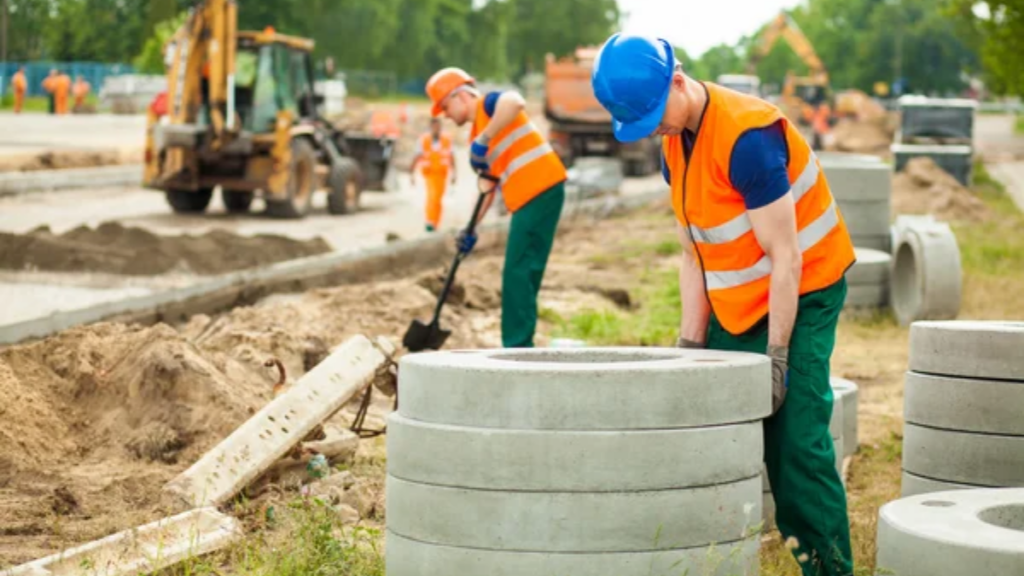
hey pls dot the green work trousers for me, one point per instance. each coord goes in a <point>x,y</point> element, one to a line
<point>810,501</point>
<point>530,238</point>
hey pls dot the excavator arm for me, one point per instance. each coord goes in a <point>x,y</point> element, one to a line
<point>784,27</point>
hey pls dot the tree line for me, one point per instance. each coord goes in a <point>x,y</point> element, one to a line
<point>931,46</point>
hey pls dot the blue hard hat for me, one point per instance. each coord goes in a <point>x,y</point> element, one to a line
<point>632,77</point>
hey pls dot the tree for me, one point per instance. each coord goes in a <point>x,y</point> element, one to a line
<point>996,29</point>
<point>151,59</point>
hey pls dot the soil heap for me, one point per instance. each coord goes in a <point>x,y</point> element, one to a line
<point>925,188</point>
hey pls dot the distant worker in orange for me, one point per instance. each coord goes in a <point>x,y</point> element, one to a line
<point>59,85</point>
<point>434,157</point>
<point>382,124</point>
<point>80,90</point>
<point>20,86</point>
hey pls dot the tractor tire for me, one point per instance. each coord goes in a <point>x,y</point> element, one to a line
<point>345,187</point>
<point>188,202</point>
<point>301,183</point>
<point>236,201</point>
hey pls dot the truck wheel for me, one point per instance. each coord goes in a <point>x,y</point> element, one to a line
<point>301,183</point>
<point>189,202</point>
<point>345,187</point>
<point>236,201</point>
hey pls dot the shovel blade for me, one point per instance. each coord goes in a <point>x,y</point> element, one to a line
<point>422,336</point>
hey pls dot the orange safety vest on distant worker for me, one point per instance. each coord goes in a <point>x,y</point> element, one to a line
<point>382,124</point>
<point>521,158</point>
<point>436,156</point>
<point>736,270</point>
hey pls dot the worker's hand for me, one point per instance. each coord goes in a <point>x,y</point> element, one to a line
<point>478,155</point>
<point>684,343</point>
<point>780,375</point>
<point>465,241</point>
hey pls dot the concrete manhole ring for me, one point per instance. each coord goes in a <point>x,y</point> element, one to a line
<point>969,349</point>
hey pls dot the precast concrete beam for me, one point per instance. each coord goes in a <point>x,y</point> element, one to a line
<point>964,457</point>
<point>574,521</point>
<point>407,557</point>
<point>573,461</point>
<point>959,533</point>
<point>971,349</point>
<point>927,274</point>
<point>965,404</point>
<point>585,389</point>
<point>848,392</point>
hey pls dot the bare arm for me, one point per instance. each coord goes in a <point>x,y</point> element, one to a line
<point>695,308</point>
<point>775,228</point>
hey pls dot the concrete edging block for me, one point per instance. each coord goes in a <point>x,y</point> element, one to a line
<point>572,461</point>
<point>597,388</point>
<point>953,534</point>
<point>964,404</point>
<point>574,521</point>
<point>971,349</point>
<point>964,457</point>
<point>412,558</point>
<point>927,274</point>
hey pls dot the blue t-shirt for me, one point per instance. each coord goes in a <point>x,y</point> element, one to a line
<point>490,102</point>
<point>757,167</point>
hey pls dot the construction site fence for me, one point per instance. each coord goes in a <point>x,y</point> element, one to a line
<point>95,73</point>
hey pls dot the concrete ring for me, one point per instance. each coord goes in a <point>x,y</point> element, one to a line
<point>968,349</point>
<point>927,275</point>
<point>964,404</point>
<point>871,269</point>
<point>964,457</point>
<point>913,485</point>
<point>849,392</point>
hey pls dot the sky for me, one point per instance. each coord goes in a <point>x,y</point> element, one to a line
<point>696,25</point>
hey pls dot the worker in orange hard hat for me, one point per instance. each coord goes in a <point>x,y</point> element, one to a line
<point>59,85</point>
<point>20,85</point>
<point>80,90</point>
<point>434,157</point>
<point>531,177</point>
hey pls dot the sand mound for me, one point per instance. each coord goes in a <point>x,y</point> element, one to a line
<point>863,137</point>
<point>116,249</point>
<point>925,188</point>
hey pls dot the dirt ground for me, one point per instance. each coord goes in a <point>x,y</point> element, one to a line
<point>60,159</point>
<point>925,188</point>
<point>865,137</point>
<point>116,249</point>
<point>98,418</point>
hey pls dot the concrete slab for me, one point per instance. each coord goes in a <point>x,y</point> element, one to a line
<point>972,349</point>
<point>585,389</point>
<point>964,404</point>
<point>964,457</point>
<point>849,392</point>
<point>411,558</point>
<point>913,485</point>
<point>142,550</point>
<point>281,424</point>
<point>927,275</point>
<point>953,534</point>
<point>578,522</point>
<point>572,461</point>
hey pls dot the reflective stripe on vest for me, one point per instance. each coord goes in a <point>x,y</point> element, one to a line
<point>522,159</point>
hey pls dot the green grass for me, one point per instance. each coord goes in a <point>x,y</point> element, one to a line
<point>997,247</point>
<point>1019,127</point>
<point>39,104</point>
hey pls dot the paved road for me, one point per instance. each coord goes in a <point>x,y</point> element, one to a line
<point>1003,151</point>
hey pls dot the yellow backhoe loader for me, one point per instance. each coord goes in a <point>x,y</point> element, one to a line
<point>241,113</point>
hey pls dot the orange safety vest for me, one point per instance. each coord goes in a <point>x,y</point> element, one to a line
<point>521,158</point>
<point>736,270</point>
<point>437,156</point>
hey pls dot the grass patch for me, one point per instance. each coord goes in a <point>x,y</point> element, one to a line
<point>1019,126</point>
<point>32,104</point>
<point>997,247</point>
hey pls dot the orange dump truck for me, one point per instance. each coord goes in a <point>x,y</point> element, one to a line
<point>580,126</point>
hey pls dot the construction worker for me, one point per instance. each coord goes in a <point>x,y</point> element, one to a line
<point>434,156</point>
<point>59,85</point>
<point>80,90</point>
<point>20,85</point>
<point>507,146</point>
<point>765,252</point>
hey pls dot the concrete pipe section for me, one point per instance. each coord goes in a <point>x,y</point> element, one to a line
<point>862,187</point>
<point>868,280</point>
<point>958,533</point>
<point>603,461</point>
<point>927,274</point>
<point>969,349</point>
<point>847,392</point>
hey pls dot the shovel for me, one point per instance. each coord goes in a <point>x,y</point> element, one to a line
<point>431,336</point>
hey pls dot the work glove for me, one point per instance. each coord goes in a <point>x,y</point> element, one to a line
<point>478,155</point>
<point>780,375</point>
<point>684,343</point>
<point>465,241</point>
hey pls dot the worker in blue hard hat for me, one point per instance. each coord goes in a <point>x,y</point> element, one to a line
<point>765,253</point>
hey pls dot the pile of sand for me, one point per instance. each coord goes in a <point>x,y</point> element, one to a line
<point>862,137</point>
<point>925,188</point>
<point>57,160</point>
<point>116,249</point>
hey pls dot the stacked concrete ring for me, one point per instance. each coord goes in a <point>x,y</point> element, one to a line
<point>952,534</point>
<point>863,192</point>
<point>964,397</point>
<point>868,280</point>
<point>927,274</point>
<point>582,461</point>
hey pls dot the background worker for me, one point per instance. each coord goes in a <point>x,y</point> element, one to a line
<point>19,85</point>
<point>508,146</point>
<point>80,90</point>
<point>59,86</point>
<point>765,252</point>
<point>434,156</point>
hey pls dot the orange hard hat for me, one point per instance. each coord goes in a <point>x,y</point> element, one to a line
<point>442,83</point>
